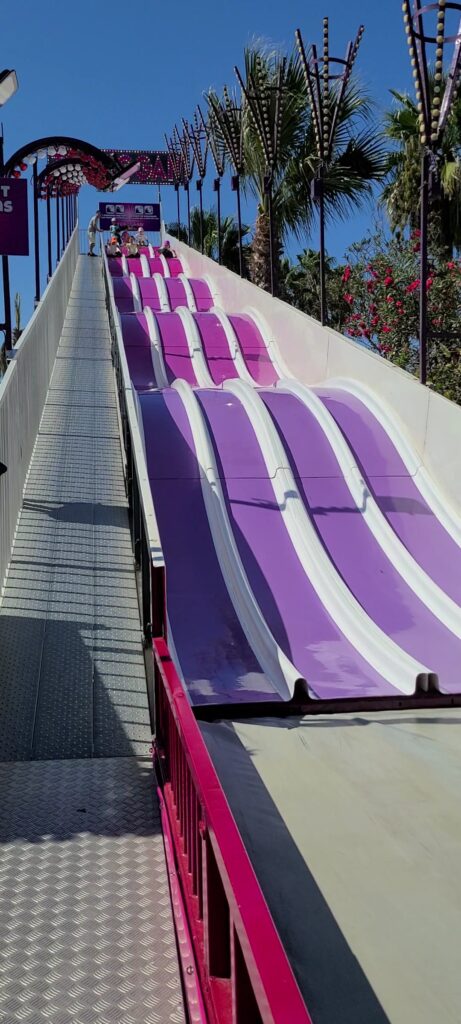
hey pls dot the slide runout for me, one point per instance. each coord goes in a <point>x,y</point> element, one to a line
<point>216,660</point>
<point>134,265</point>
<point>138,349</point>
<point>253,349</point>
<point>288,601</point>
<point>154,266</point>
<point>352,547</point>
<point>395,491</point>
<point>202,294</point>
<point>175,348</point>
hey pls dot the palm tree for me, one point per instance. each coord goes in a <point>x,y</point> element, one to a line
<point>357,161</point>
<point>401,193</point>
<point>229,238</point>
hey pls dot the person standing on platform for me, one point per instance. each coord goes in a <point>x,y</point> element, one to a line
<point>93,227</point>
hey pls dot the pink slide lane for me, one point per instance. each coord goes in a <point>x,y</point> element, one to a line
<point>254,350</point>
<point>175,348</point>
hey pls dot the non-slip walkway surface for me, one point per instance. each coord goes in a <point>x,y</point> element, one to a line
<point>86,930</point>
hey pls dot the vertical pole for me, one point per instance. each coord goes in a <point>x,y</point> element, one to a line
<point>186,186</point>
<point>48,233</point>
<point>36,236</point>
<point>178,212</point>
<point>58,232</point>
<point>199,189</point>
<point>63,225</point>
<point>268,191</point>
<point>236,179</point>
<point>423,268</point>
<point>217,188</point>
<point>6,278</point>
<point>323,301</point>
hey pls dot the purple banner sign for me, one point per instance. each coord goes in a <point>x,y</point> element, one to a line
<point>130,215</point>
<point>14,219</point>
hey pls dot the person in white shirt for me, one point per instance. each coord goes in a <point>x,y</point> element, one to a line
<point>140,237</point>
<point>93,227</point>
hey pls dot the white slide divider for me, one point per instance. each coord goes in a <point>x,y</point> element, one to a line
<point>396,432</point>
<point>125,267</point>
<point>145,266</point>
<point>273,661</point>
<point>194,341</point>
<point>189,293</point>
<point>385,656</point>
<point>164,262</point>
<point>158,361</point>
<point>439,603</point>
<point>162,293</point>
<point>136,293</point>
<point>234,347</point>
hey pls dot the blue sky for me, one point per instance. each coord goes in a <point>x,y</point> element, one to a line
<point>98,72</point>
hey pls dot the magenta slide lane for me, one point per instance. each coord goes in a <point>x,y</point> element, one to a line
<point>202,295</point>
<point>293,612</point>
<point>123,294</point>
<point>138,349</point>
<point>176,292</point>
<point>216,660</point>
<point>395,491</point>
<point>215,347</point>
<point>254,350</point>
<point>350,544</point>
<point>148,292</point>
<point>176,353</point>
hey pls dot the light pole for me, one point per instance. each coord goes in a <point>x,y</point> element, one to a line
<point>182,141</point>
<point>266,103</point>
<point>325,92</point>
<point>199,144</point>
<point>176,167</point>
<point>216,147</point>
<point>434,107</point>
<point>228,118</point>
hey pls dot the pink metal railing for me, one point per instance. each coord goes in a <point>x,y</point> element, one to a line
<point>244,972</point>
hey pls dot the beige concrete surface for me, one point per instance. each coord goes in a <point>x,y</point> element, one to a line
<point>353,824</point>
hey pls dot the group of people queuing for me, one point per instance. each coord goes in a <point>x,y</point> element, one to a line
<point>120,236</point>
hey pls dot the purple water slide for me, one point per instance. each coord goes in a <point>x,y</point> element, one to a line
<point>395,491</point>
<point>175,348</point>
<point>295,615</point>
<point>155,265</point>
<point>357,556</point>
<point>202,295</point>
<point>115,266</point>
<point>148,292</point>
<point>123,294</point>
<point>176,292</point>
<point>254,350</point>
<point>216,660</point>
<point>138,346</point>
<point>134,266</point>
<point>175,266</point>
<point>215,347</point>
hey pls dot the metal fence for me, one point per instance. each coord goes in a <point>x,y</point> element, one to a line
<point>23,391</point>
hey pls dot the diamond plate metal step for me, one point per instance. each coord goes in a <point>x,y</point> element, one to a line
<point>86,929</point>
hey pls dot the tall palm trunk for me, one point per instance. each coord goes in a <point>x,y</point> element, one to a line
<point>260,261</point>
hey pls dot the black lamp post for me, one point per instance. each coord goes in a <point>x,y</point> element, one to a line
<point>228,121</point>
<point>266,106</point>
<point>325,91</point>
<point>216,147</point>
<point>8,87</point>
<point>199,145</point>
<point>183,144</point>
<point>176,167</point>
<point>434,108</point>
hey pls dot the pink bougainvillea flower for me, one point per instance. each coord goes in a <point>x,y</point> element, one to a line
<point>451,265</point>
<point>385,329</point>
<point>348,298</point>
<point>413,286</point>
<point>346,275</point>
<point>388,280</point>
<point>429,282</point>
